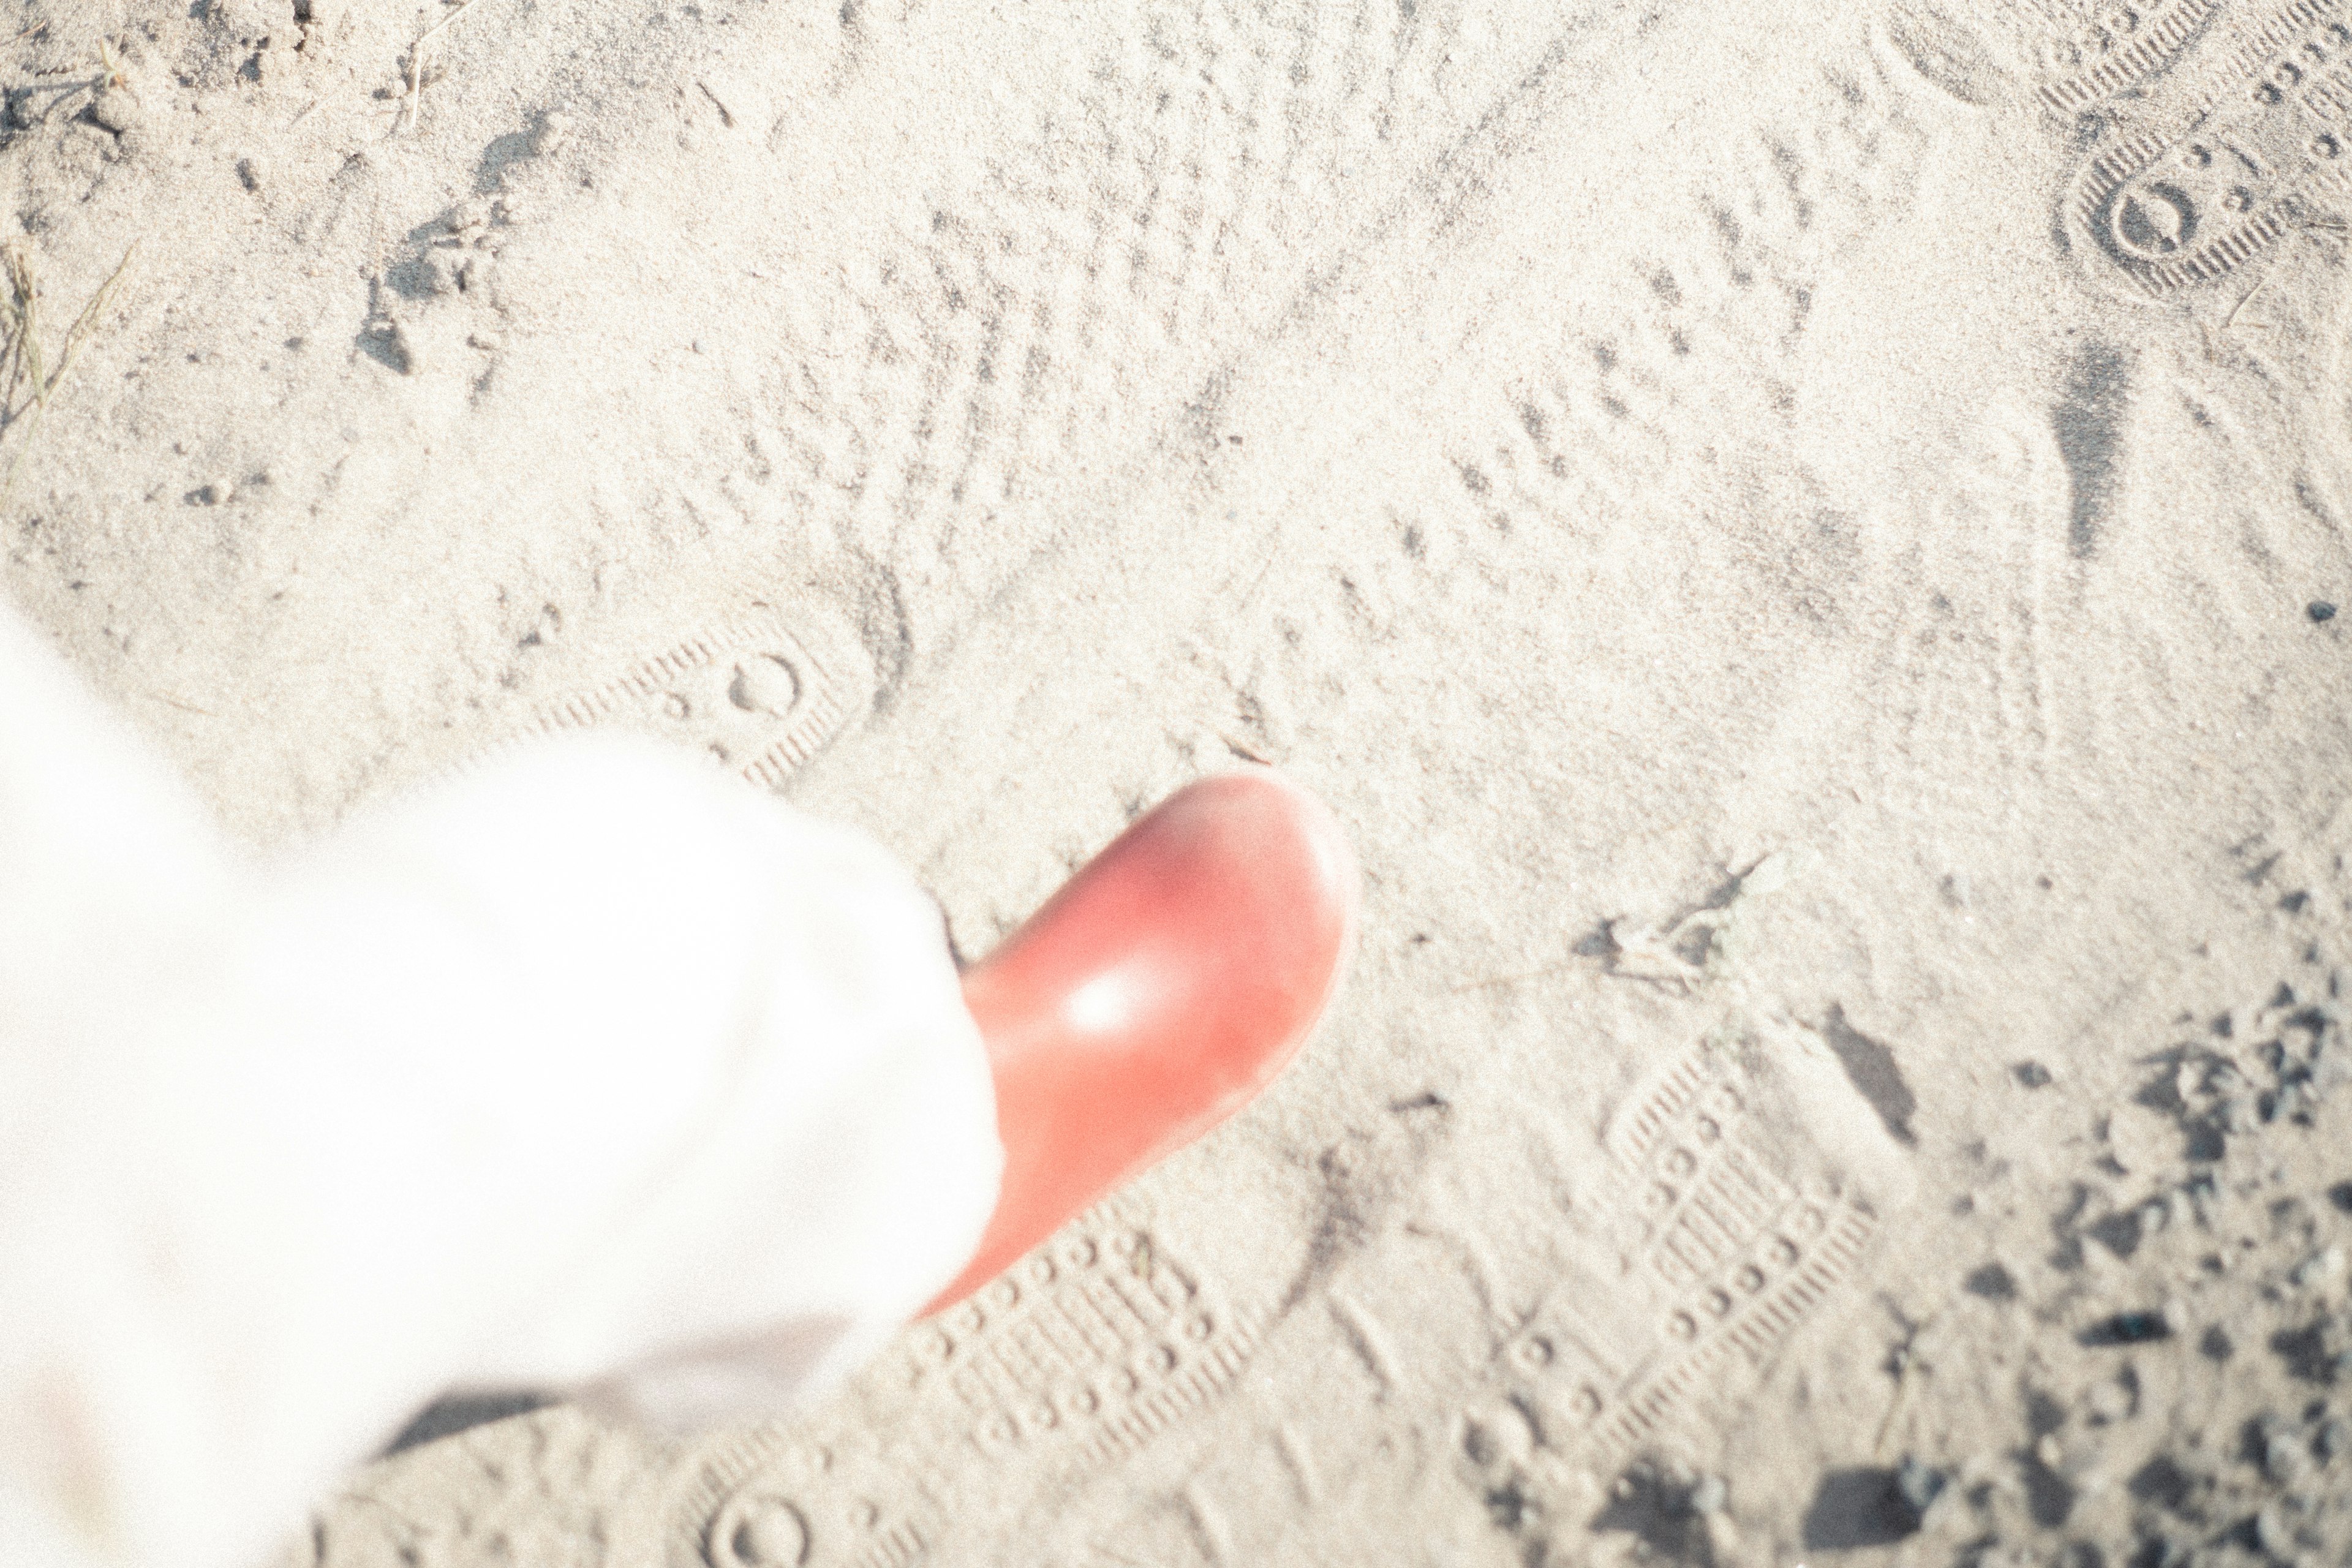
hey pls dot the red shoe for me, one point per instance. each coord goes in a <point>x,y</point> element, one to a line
<point>1155,994</point>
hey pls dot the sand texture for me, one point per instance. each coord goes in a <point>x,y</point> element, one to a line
<point>1801,542</point>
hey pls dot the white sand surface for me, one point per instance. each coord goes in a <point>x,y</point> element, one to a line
<point>1796,538</point>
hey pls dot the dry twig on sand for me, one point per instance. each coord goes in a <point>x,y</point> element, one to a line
<point>2245,301</point>
<point>110,75</point>
<point>2334,228</point>
<point>417,63</point>
<point>23,369</point>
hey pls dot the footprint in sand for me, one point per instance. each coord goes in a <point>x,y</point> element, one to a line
<point>758,693</point>
<point>2187,205</point>
<point>1746,1182</point>
<point>1080,1355</point>
<point>2070,55</point>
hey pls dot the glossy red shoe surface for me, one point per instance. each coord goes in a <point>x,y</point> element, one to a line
<point>1166,984</point>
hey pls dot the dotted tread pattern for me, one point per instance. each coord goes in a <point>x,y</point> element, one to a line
<point>1080,1355</point>
<point>1141,216</point>
<point>1752,1335</point>
<point>2175,209</point>
<point>775,1495</point>
<point>695,690</point>
<point>1740,1247</point>
<point>2152,43</point>
<point>1726,1221</point>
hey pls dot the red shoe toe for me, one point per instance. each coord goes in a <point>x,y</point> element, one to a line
<point>1155,994</point>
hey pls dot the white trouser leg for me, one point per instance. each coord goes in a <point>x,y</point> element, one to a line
<point>591,1067</point>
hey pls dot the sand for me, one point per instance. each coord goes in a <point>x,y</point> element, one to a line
<point>1800,540</point>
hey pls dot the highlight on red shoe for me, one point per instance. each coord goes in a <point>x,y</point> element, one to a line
<point>1167,982</point>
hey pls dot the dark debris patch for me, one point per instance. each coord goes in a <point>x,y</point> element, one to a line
<point>1870,1506</point>
<point>1666,1507</point>
<point>2228,1278</point>
<point>2315,1353</point>
<point>460,1413</point>
<point>2163,1483</point>
<point>1992,1282</point>
<point>1507,1507</point>
<point>2126,1329</point>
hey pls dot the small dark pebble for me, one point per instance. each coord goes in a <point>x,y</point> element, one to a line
<point>2127,1329</point>
<point>2033,1075</point>
<point>2321,611</point>
<point>1992,1282</point>
<point>1864,1505</point>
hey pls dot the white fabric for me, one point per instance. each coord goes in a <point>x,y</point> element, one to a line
<point>589,1067</point>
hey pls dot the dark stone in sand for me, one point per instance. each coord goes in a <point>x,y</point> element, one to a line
<point>2162,1482</point>
<point>2127,1329</point>
<point>1992,1282</point>
<point>1863,1506</point>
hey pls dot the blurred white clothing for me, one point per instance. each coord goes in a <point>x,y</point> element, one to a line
<point>591,1069</point>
